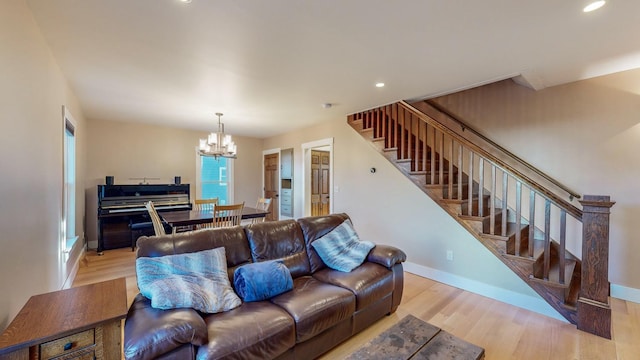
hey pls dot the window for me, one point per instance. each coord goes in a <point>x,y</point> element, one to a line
<point>214,179</point>
<point>69,236</point>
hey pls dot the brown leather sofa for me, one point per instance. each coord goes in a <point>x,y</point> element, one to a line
<point>324,308</point>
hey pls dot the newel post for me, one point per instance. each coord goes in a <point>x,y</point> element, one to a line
<point>594,312</point>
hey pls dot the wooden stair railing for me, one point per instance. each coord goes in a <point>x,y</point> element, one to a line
<point>493,196</point>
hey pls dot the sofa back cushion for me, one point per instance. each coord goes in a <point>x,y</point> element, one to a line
<point>315,227</point>
<point>233,239</point>
<point>279,240</point>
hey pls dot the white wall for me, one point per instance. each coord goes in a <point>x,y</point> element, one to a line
<point>131,150</point>
<point>32,93</point>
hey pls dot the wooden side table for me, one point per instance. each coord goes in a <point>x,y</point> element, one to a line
<point>76,323</point>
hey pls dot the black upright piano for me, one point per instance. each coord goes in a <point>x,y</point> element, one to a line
<point>119,206</point>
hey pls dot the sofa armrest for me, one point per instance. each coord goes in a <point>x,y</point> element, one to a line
<point>386,255</point>
<point>149,332</point>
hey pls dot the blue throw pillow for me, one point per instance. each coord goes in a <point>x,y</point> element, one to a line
<point>193,280</point>
<point>262,280</point>
<point>341,249</point>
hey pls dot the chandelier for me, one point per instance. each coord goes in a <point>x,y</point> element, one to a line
<point>217,144</point>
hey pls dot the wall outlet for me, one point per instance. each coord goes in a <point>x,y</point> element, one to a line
<point>449,255</point>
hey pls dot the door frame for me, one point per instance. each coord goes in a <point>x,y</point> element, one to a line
<point>306,172</point>
<point>279,182</point>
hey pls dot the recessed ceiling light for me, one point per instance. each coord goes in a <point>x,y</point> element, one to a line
<point>594,6</point>
<point>185,1</point>
<point>380,84</point>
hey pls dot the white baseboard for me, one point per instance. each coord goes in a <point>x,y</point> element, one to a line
<point>531,303</point>
<point>625,293</point>
<point>74,270</point>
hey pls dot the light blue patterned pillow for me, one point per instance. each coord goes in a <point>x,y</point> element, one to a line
<point>341,249</point>
<point>194,280</point>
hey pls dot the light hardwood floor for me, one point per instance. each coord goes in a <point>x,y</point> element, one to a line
<point>504,331</point>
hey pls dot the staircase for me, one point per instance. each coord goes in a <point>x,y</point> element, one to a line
<point>513,209</point>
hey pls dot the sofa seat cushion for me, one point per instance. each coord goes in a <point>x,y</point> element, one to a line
<point>256,330</point>
<point>369,282</point>
<point>315,306</point>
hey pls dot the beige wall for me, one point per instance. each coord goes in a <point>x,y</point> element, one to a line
<point>32,93</point>
<point>387,208</point>
<point>593,125</point>
<point>129,150</point>
<point>585,134</point>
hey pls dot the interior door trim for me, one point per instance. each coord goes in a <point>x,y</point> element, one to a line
<point>278,180</point>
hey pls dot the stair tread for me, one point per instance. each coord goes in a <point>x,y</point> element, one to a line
<point>554,274</point>
<point>510,231</point>
<point>475,199</point>
<point>483,217</point>
<point>452,201</point>
<point>433,186</point>
<point>538,249</point>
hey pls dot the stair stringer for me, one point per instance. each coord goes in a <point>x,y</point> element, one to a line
<point>521,266</point>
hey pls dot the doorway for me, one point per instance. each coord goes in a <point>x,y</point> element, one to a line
<point>320,199</point>
<point>271,186</point>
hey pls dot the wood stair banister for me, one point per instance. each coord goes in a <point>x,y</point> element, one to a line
<point>573,210</point>
<point>485,192</point>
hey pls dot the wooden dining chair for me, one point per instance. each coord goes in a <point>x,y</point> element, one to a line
<point>262,204</point>
<point>158,226</point>
<point>227,215</point>
<point>204,204</point>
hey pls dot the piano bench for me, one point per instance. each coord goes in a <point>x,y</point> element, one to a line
<point>135,229</point>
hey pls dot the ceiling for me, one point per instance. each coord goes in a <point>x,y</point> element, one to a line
<point>270,65</point>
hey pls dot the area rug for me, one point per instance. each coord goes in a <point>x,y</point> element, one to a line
<point>412,338</point>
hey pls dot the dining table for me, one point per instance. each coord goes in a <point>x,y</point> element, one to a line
<point>183,218</point>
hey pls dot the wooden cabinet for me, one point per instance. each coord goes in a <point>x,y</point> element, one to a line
<point>78,323</point>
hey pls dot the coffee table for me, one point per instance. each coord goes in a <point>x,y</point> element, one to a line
<point>412,338</point>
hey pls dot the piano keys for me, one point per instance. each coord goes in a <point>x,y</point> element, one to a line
<point>119,206</point>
